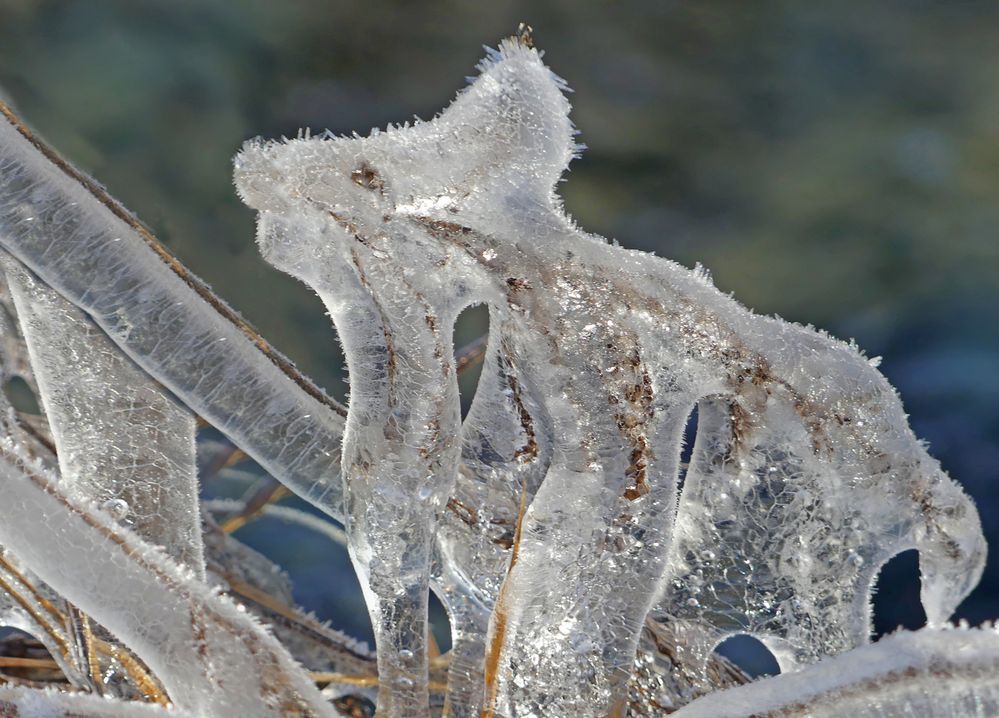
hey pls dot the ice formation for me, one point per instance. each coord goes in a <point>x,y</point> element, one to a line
<point>586,571</point>
<point>20,702</point>
<point>212,658</point>
<point>805,477</point>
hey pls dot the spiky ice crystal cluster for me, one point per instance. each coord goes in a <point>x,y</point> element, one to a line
<point>804,477</point>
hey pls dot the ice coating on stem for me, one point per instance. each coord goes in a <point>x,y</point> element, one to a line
<point>931,673</point>
<point>505,453</point>
<point>122,441</point>
<point>22,702</point>
<point>804,468</point>
<point>213,659</point>
<point>88,248</point>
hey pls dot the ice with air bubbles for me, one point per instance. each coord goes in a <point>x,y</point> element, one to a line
<point>804,476</point>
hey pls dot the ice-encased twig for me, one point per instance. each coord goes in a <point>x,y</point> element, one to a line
<point>506,450</point>
<point>804,449</point>
<point>17,701</point>
<point>213,659</point>
<point>122,441</point>
<point>932,673</point>
<point>84,245</point>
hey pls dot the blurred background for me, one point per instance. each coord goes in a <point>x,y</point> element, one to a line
<point>833,163</point>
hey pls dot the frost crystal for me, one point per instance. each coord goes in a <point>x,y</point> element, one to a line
<point>804,479</point>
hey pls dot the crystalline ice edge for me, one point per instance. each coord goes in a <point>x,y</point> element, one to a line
<point>122,441</point>
<point>927,674</point>
<point>803,445</point>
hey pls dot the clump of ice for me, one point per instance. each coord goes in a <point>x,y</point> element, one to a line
<point>805,477</point>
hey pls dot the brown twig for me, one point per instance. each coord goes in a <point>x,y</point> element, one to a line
<point>494,651</point>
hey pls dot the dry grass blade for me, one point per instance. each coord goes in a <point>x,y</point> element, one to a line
<point>15,662</point>
<point>269,492</point>
<point>471,354</point>
<point>497,627</point>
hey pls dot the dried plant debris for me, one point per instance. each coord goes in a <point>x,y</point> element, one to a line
<point>586,570</point>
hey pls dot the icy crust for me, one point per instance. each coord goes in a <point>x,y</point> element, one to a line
<point>85,246</point>
<point>805,477</point>
<point>20,702</point>
<point>122,441</point>
<point>931,673</point>
<point>212,658</point>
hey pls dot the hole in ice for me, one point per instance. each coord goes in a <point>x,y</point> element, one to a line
<point>470,331</point>
<point>895,599</point>
<point>749,654</point>
<point>686,450</point>
<point>20,396</point>
<point>15,643</point>
<point>440,626</point>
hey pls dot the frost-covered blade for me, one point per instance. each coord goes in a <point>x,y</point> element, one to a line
<point>83,244</point>
<point>212,658</point>
<point>122,441</point>
<point>931,673</point>
<point>804,448</point>
<point>22,702</point>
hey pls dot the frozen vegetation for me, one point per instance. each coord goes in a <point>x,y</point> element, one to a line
<point>588,566</point>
